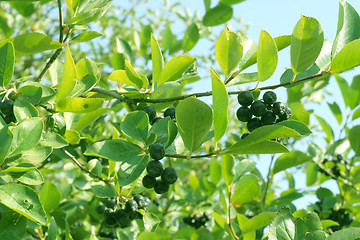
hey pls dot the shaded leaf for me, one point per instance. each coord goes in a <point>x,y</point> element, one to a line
<point>218,15</point>
<point>290,159</point>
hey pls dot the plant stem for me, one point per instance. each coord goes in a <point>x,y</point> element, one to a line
<point>61,35</point>
<point>82,168</point>
<point>231,188</point>
<point>268,178</point>
<point>194,156</point>
<point>200,94</point>
<point>49,63</point>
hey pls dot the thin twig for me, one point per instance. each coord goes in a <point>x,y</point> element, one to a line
<point>197,95</point>
<point>268,178</point>
<point>49,63</point>
<point>61,35</point>
<point>194,156</point>
<point>38,234</point>
<point>231,188</point>
<point>82,168</point>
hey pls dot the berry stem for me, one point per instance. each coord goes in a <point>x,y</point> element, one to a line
<point>194,156</point>
<point>231,188</point>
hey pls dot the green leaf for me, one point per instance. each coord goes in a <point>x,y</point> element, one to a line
<point>215,171</point>
<point>354,138</point>
<point>231,2</point>
<point>166,90</point>
<point>86,67</point>
<point>23,109</point>
<point>5,138</point>
<point>134,77</point>
<point>326,128</point>
<point>228,51</point>
<point>191,37</point>
<point>157,58</point>
<point>175,68</point>
<point>348,25</point>
<point>135,125</point>
<point>30,93</point>
<point>151,221</point>
<point>56,71</point>
<point>220,105</point>
<point>7,60</point>
<point>299,127</point>
<point>318,235</point>
<point>72,136</point>
<point>23,200</point>
<point>90,15</point>
<point>245,189</point>
<point>306,43</point>
<point>26,135</point>
<point>218,15</point>
<point>50,196</point>
<point>86,36</point>
<point>244,78</point>
<point>267,57</point>
<point>103,190</point>
<point>53,140</point>
<point>335,109</point>
<point>290,159</point>
<point>259,221</point>
<point>115,149</point>
<point>9,230</point>
<point>36,155</point>
<point>53,230</point>
<point>227,168</point>
<point>348,234</point>
<point>88,118</point>
<point>25,173</point>
<point>243,167</point>
<point>347,58</point>
<point>165,130</point>
<point>122,77</point>
<point>346,92</point>
<point>78,104</point>
<point>264,147</point>
<point>356,114</point>
<point>68,77</point>
<point>33,42</point>
<point>84,85</point>
<point>123,47</point>
<point>283,226</point>
<point>328,223</point>
<point>131,169</point>
<point>194,119</point>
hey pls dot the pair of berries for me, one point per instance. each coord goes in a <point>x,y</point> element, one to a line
<point>335,169</point>
<point>261,112</point>
<point>196,221</point>
<point>156,169</point>
<point>7,108</point>
<point>151,112</point>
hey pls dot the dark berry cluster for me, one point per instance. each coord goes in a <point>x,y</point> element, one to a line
<point>7,111</point>
<point>153,118</point>
<point>115,216</point>
<point>261,112</point>
<point>335,165</point>
<point>340,216</point>
<point>156,169</point>
<point>196,221</point>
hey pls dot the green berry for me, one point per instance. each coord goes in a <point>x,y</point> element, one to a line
<point>279,108</point>
<point>140,200</point>
<point>286,115</point>
<point>161,187</point>
<point>245,98</point>
<point>100,209</point>
<point>169,175</point>
<point>131,206</point>
<point>148,181</point>
<point>258,108</point>
<point>110,203</point>
<point>253,124</point>
<point>154,168</point>
<point>268,118</point>
<point>10,118</point>
<point>245,135</point>
<point>170,112</point>
<point>157,151</point>
<point>7,107</point>
<point>269,97</point>
<point>151,112</point>
<point>110,220</point>
<point>243,114</point>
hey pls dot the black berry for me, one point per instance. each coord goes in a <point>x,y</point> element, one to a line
<point>243,114</point>
<point>253,124</point>
<point>269,97</point>
<point>148,181</point>
<point>156,120</point>
<point>169,175</point>
<point>286,115</point>
<point>154,168</point>
<point>268,118</point>
<point>131,206</point>
<point>110,203</point>
<point>100,209</point>
<point>245,98</point>
<point>170,112</point>
<point>151,112</point>
<point>109,212</point>
<point>122,218</point>
<point>258,108</point>
<point>10,118</point>
<point>7,107</point>
<point>161,187</point>
<point>140,200</point>
<point>157,151</point>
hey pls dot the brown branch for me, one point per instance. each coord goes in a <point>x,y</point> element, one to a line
<point>200,94</point>
<point>82,168</point>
